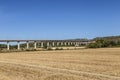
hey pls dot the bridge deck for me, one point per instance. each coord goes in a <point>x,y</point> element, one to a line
<point>43,41</point>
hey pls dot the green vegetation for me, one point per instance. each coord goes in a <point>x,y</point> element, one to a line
<point>109,38</point>
<point>101,42</point>
<point>31,50</point>
<point>49,48</point>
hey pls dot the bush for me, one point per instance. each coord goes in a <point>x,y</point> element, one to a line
<point>27,50</point>
<point>61,48</point>
<point>99,44</point>
<point>57,49</point>
<point>31,50</point>
<point>92,45</point>
<point>49,49</point>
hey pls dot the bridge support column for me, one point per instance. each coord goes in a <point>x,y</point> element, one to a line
<point>57,43</point>
<point>48,44</point>
<point>76,44</point>
<point>42,44</point>
<point>65,43</point>
<point>35,45</point>
<point>8,46</point>
<point>18,43</point>
<point>27,44</point>
<point>68,43</point>
<point>80,43</point>
<point>53,44</point>
<point>61,43</point>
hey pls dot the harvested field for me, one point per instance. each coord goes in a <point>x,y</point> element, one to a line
<point>84,64</point>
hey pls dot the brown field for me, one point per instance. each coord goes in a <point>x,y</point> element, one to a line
<point>84,64</point>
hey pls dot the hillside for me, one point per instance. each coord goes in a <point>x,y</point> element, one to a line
<point>109,38</point>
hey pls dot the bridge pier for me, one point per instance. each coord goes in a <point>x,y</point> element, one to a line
<point>57,43</point>
<point>61,43</point>
<point>68,43</point>
<point>65,43</point>
<point>27,44</point>
<point>42,44</point>
<point>18,45</point>
<point>48,44</point>
<point>8,45</point>
<point>53,44</point>
<point>35,45</point>
<point>76,44</point>
<point>71,43</point>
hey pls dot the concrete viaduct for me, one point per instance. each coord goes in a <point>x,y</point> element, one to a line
<point>47,42</point>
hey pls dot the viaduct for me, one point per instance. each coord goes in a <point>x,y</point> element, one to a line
<point>52,43</point>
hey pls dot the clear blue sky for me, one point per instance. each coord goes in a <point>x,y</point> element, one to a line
<point>59,19</point>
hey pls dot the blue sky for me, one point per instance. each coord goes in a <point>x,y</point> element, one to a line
<point>59,19</point>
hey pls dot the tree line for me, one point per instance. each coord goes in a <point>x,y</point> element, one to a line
<point>101,42</point>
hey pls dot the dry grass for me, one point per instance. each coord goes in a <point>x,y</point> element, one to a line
<point>84,64</point>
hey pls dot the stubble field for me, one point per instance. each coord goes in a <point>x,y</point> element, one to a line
<point>84,64</point>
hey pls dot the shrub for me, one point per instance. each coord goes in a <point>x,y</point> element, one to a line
<point>49,49</point>
<point>57,49</point>
<point>61,49</point>
<point>99,44</point>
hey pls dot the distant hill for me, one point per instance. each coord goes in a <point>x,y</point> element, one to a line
<point>109,38</point>
<point>78,39</point>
